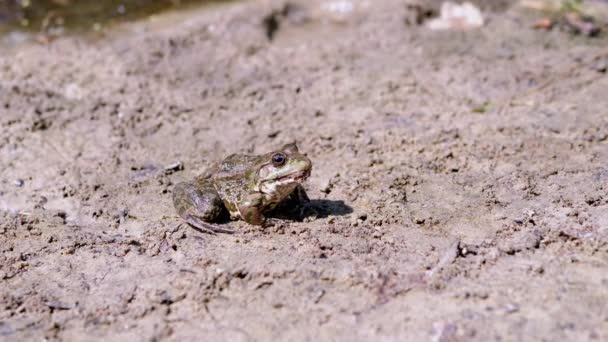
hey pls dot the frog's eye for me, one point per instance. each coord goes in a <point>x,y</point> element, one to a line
<point>278,159</point>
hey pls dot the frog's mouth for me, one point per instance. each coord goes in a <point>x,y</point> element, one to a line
<point>299,177</point>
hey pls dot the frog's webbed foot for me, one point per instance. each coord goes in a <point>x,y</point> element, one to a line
<point>204,226</point>
<point>198,203</point>
<point>272,222</point>
<point>302,203</point>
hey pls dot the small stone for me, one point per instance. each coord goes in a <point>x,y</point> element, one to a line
<point>492,254</point>
<point>511,308</point>
<point>273,134</point>
<point>164,246</point>
<point>419,220</point>
<point>444,331</point>
<point>539,270</point>
<point>500,217</point>
<point>19,182</point>
<point>174,167</point>
<point>389,240</point>
<point>601,136</point>
<point>601,66</point>
<point>6,329</point>
<point>326,186</point>
<point>56,305</point>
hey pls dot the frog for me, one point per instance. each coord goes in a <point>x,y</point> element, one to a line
<point>246,186</point>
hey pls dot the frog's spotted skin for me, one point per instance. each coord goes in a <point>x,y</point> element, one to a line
<point>247,186</point>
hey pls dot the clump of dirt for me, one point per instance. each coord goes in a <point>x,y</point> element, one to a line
<point>460,179</point>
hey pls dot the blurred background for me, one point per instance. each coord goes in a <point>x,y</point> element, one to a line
<point>42,19</point>
<point>56,16</point>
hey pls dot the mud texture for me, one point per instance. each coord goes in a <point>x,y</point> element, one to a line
<point>460,179</point>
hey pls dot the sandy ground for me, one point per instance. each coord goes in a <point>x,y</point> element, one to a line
<point>460,180</point>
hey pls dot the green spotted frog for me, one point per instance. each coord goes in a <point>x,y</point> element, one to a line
<point>246,186</point>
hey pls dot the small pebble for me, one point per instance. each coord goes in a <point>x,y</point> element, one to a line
<point>326,187</point>
<point>389,240</point>
<point>173,167</point>
<point>601,66</point>
<point>511,308</point>
<point>602,136</point>
<point>19,182</point>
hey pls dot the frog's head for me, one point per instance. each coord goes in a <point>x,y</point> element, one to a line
<point>282,170</point>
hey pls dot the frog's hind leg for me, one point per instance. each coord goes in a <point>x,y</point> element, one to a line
<point>204,226</point>
<point>198,203</point>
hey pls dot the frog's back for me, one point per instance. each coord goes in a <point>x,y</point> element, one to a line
<point>231,178</point>
<point>234,166</point>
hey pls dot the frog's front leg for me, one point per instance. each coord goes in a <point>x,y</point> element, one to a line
<point>198,203</point>
<point>299,195</point>
<point>306,208</point>
<point>252,209</point>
